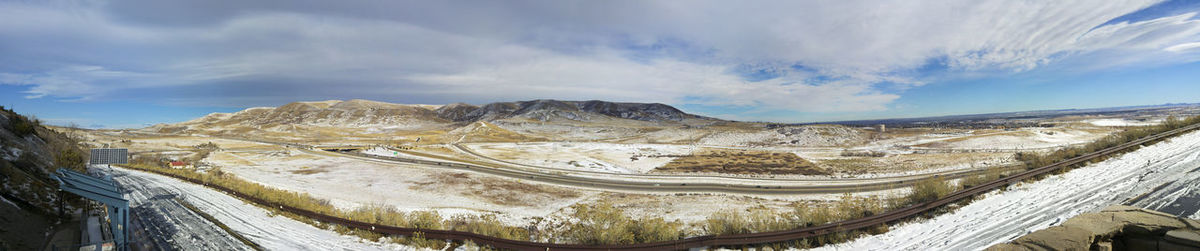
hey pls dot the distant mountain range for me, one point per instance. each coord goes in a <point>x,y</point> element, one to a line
<point>545,109</point>
<point>367,117</point>
<point>555,120</point>
<point>1011,115</point>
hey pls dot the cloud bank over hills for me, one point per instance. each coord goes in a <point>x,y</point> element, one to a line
<point>845,56</point>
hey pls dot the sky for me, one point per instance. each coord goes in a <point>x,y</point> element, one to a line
<point>129,64</point>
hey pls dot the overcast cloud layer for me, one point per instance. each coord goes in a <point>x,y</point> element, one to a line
<point>813,56</point>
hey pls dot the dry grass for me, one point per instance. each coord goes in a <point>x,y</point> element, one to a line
<point>911,162</point>
<point>309,170</point>
<point>929,190</point>
<point>801,215</point>
<point>485,132</point>
<point>496,191</point>
<point>741,162</point>
<point>604,224</point>
<point>1034,160</point>
<point>979,134</point>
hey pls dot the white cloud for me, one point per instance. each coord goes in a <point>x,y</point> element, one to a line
<point>867,52</point>
<point>75,81</point>
<point>1183,47</point>
<point>604,75</point>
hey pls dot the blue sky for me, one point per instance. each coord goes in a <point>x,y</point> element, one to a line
<point>122,64</point>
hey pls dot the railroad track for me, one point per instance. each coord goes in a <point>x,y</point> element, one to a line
<point>708,240</point>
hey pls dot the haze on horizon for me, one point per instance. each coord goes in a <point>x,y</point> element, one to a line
<point>120,64</point>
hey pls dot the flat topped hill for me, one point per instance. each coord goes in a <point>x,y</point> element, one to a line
<point>541,118</point>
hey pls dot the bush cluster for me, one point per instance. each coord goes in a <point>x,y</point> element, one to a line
<point>990,175</point>
<point>802,215</point>
<point>929,190</point>
<point>1035,160</point>
<point>604,224</point>
<point>22,126</point>
<point>876,154</point>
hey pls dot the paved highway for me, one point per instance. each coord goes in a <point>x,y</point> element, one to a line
<point>670,184</point>
<point>659,182</point>
<point>468,151</point>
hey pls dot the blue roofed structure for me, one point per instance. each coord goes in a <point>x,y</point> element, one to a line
<point>103,190</point>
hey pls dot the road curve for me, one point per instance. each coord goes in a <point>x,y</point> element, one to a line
<point>659,183</point>
<point>674,184</point>
<point>468,151</point>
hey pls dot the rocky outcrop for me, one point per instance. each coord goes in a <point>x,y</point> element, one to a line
<point>455,111</point>
<point>545,110</point>
<point>491,111</point>
<point>327,118</point>
<point>1114,228</point>
<point>29,153</point>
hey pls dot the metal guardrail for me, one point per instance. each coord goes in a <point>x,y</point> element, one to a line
<point>707,240</point>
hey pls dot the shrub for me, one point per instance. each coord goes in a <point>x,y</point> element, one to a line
<point>1034,160</point>
<point>726,222</point>
<point>877,154</point>
<point>929,190</point>
<point>990,175</point>
<point>604,224</point>
<point>22,126</point>
<point>600,224</point>
<point>487,225</point>
<point>851,207</point>
<point>656,229</point>
<point>70,158</point>
<point>425,220</point>
<point>207,146</point>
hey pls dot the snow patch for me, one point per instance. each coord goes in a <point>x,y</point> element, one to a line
<point>1120,122</point>
<point>585,156</point>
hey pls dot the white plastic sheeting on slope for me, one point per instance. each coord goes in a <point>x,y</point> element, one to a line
<point>272,232</point>
<point>1180,197</point>
<point>1004,215</point>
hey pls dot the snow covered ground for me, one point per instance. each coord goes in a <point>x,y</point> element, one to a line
<point>352,182</point>
<point>1121,122</point>
<point>270,231</point>
<point>1180,197</point>
<point>382,151</point>
<point>1025,138</point>
<point>601,157</point>
<point>803,136</point>
<point>1004,215</point>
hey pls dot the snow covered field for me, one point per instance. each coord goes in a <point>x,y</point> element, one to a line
<point>270,231</point>
<point>1122,122</point>
<point>381,151</point>
<point>350,182</point>
<point>798,136</point>
<point>1004,215</point>
<point>601,157</point>
<point>1025,138</point>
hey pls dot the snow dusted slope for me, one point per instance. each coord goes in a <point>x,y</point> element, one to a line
<point>1004,215</point>
<point>1180,197</point>
<point>272,232</point>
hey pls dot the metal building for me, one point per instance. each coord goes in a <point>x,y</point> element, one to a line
<point>103,191</point>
